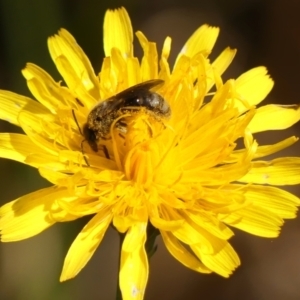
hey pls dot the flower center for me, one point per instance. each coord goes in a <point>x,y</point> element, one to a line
<point>137,151</point>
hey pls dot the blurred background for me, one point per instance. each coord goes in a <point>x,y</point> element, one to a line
<point>265,32</point>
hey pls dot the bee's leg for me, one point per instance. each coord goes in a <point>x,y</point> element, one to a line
<point>104,148</point>
<point>121,126</point>
<point>105,151</point>
<point>84,157</point>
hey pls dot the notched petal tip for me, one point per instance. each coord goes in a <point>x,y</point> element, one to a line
<point>85,244</point>
<point>202,40</point>
<point>117,32</point>
<point>274,117</point>
<point>254,85</point>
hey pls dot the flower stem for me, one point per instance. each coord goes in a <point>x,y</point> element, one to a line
<point>150,246</point>
<point>119,294</point>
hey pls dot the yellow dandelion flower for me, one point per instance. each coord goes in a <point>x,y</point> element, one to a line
<point>179,172</point>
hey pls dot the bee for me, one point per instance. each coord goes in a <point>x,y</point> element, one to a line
<point>133,99</point>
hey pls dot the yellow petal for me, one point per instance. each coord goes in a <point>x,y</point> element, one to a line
<point>280,171</point>
<point>182,254</point>
<point>46,90</point>
<point>255,220</point>
<point>223,261</point>
<point>33,125</point>
<point>270,149</point>
<point>11,104</point>
<point>73,65</point>
<point>18,147</point>
<point>254,85</point>
<point>279,202</point>
<point>45,160</point>
<point>164,72</point>
<point>192,234</point>
<point>274,117</point>
<point>85,245</point>
<point>204,221</point>
<point>149,65</point>
<point>60,179</point>
<point>134,267</point>
<point>29,214</point>
<point>202,40</point>
<point>216,176</point>
<point>165,225</point>
<point>265,150</point>
<point>220,64</point>
<point>117,32</point>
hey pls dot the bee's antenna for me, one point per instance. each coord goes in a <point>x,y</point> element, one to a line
<point>81,144</point>
<point>75,119</point>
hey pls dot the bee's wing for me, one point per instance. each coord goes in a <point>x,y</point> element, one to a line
<point>117,101</point>
<point>108,106</point>
<point>147,85</point>
<point>138,88</point>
